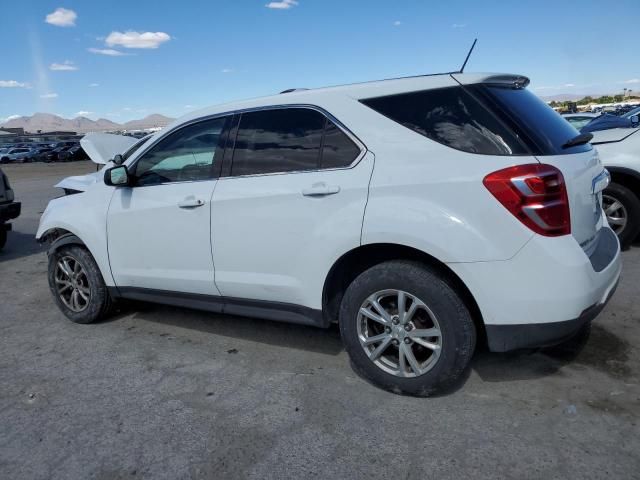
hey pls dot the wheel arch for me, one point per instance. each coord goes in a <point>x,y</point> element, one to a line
<point>59,237</point>
<point>354,262</point>
<point>626,177</point>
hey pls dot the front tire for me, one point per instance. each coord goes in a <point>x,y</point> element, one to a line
<point>77,285</point>
<point>406,329</point>
<point>622,208</point>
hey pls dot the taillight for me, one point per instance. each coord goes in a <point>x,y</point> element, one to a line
<point>535,194</point>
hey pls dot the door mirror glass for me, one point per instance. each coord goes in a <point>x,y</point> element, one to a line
<point>635,119</point>
<point>117,176</point>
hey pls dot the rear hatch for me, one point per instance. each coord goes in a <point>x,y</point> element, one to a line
<point>545,134</point>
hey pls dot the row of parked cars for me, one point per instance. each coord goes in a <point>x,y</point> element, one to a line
<point>43,152</point>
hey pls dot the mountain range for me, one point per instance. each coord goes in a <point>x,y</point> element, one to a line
<point>47,122</point>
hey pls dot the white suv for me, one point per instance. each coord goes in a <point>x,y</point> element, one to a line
<point>422,214</point>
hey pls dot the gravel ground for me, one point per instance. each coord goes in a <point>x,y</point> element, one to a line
<point>159,392</point>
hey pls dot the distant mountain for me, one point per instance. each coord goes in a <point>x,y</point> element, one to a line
<point>569,97</point>
<point>47,122</point>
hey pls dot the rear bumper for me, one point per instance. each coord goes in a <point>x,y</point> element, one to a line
<point>503,338</point>
<point>9,211</point>
<point>545,293</point>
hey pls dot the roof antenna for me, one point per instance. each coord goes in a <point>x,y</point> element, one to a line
<point>468,55</point>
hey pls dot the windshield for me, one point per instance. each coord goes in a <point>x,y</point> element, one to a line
<point>631,113</point>
<point>134,148</point>
<point>578,122</point>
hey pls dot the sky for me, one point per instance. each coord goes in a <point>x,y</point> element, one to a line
<point>126,59</point>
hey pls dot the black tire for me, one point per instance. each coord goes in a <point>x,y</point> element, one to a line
<point>4,160</point>
<point>631,204</point>
<point>3,237</point>
<point>456,325</point>
<point>100,303</point>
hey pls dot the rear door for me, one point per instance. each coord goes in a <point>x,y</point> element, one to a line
<point>290,202</point>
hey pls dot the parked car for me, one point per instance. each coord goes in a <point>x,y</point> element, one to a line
<point>53,155</point>
<point>9,208</point>
<point>73,154</point>
<point>37,154</point>
<point>607,121</point>
<point>15,155</point>
<point>579,120</point>
<point>421,214</point>
<point>619,150</point>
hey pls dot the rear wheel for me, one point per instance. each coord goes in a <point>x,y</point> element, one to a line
<point>77,285</point>
<point>622,208</point>
<point>3,236</point>
<point>406,329</point>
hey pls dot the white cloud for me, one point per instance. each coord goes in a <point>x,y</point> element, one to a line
<point>94,84</point>
<point>282,5</point>
<point>62,18</point>
<point>189,106</point>
<point>133,39</point>
<point>83,113</point>
<point>227,70</point>
<point>569,85</point>
<point>458,25</point>
<point>67,65</point>
<point>49,95</point>
<point>107,51</point>
<point>632,80</point>
<point>13,84</point>
<point>10,117</point>
<point>397,23</point>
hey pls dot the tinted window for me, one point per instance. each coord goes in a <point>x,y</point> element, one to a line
<point>452,117</point>
<point>189,154</point>
<point>544,129</point>
<point>279,140</point>
<point>482,119</point>
<point>338,150</point>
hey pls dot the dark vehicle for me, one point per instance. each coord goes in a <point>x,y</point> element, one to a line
<point>607,121</point>
<point>9,209</point>
<point>53,155</point>
<point>73,154</point>
<point>38,154</point>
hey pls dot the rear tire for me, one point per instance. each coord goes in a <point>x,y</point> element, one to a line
<point>627,211</point>
<point>421,353</point>
<point>3,237</point>
<point>77,285</point>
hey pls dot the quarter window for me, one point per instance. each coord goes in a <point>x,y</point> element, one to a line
<point>338,150</point>
<point>190,154</point>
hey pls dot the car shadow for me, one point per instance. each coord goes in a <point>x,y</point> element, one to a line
<point>20,245</point>
<point>280,334</point>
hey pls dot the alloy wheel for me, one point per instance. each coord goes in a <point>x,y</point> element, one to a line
<point>399,333</point>
<point>616,213</point>
<point>72,284</point>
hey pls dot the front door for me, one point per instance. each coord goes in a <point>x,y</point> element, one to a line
<point>159,229</point>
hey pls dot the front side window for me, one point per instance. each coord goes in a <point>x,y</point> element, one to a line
<point>190,154</point>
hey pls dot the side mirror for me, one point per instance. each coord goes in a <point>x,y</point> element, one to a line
<point>117,176</point>
<point>117,159</point>
<point>635,120</point>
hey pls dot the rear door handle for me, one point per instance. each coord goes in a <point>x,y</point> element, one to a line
<point>191,202</point>
<point>320,190</point>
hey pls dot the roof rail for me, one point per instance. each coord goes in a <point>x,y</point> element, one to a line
<point>289,90</point>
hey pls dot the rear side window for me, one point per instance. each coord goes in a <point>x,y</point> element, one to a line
<point>290,140</point>
<point>481,119</point>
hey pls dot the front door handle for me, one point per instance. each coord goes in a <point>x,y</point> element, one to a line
<point>191,202</point>
<point>320,190</point>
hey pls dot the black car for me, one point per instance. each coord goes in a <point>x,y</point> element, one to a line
<point>9,208</point>
<point>53,155</point>
<point>38,154</point>
<point>73,154</point>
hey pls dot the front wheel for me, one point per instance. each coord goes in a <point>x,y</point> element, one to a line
<point>622,208</point>
<point>406,329</point>
<point>77,285</point>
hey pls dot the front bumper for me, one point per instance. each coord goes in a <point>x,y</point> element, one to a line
<point>9,211</point>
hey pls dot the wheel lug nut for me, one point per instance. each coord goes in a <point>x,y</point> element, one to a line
<point>407,327</point>
<point>407,341</point>
<point>395,320</point>
<point>395,341</point>
<point>387,329</point>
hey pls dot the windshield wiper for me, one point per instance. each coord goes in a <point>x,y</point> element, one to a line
<point>578,140</point>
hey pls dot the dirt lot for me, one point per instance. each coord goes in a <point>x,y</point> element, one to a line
<point>159,392</point>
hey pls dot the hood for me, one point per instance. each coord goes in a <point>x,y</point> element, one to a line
<point>606,121</point>
<point>80,183</point>
<point>102,147</point>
